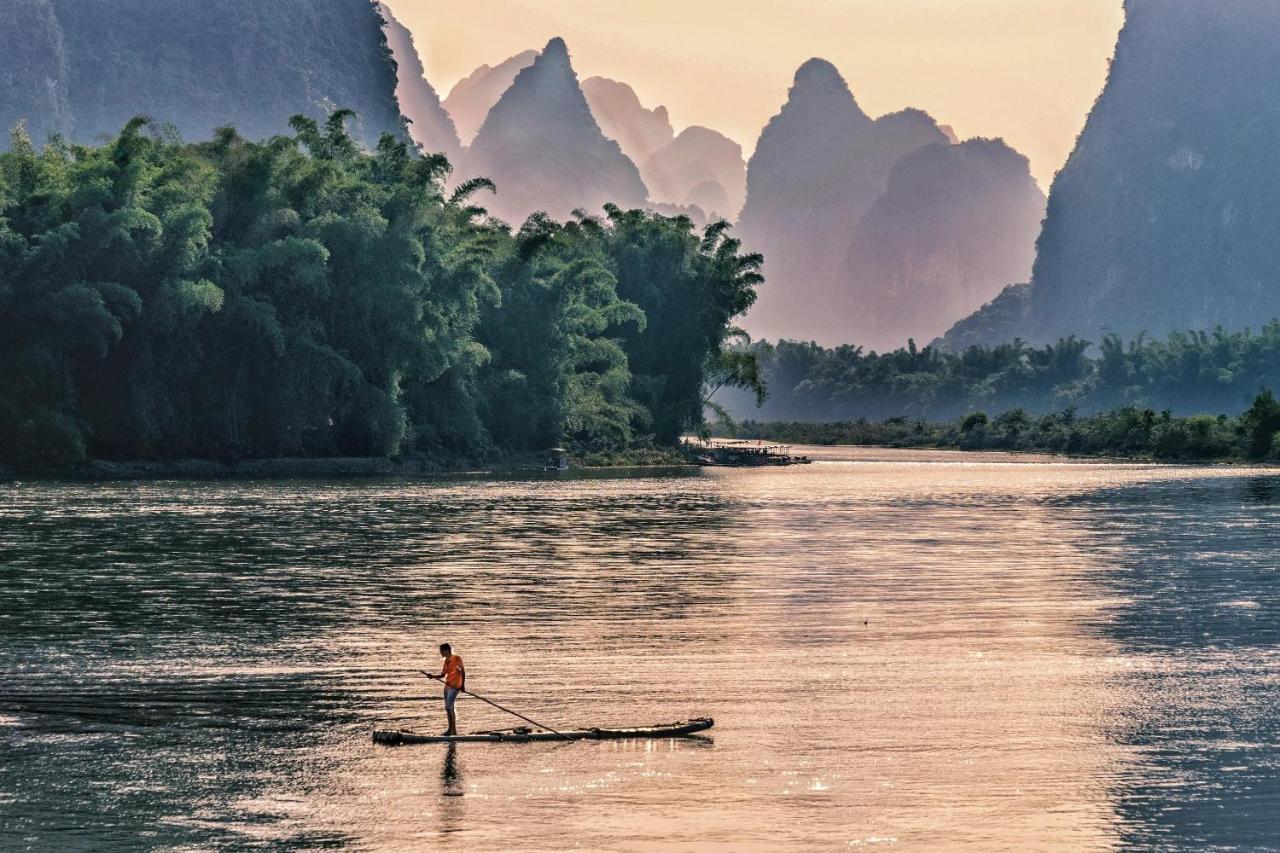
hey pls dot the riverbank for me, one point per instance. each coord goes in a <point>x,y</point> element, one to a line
<point>331,467</point>
<point>1126,434</point>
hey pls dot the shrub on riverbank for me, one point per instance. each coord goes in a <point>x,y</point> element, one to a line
<point>639,457</point>
<point>1125,432</point>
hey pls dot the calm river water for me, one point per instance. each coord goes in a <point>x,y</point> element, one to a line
<point>908,650</point>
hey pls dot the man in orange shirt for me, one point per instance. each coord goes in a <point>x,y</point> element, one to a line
<point>454,677</point>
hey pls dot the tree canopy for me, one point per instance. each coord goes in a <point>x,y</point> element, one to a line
<point>305,297</point>
<point>1184,372</point>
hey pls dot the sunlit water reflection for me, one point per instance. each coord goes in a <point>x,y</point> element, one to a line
<point>914,650</point>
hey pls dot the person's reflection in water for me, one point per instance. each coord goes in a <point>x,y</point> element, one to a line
<point>450,778</point>
<point>451,807</point>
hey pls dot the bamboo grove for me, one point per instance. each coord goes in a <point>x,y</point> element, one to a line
<point>302,296</point>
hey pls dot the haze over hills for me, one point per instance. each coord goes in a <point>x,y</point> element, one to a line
<point>471,98</point>
<point>1165,216</point>
<point>618,111</point>
<point>850,254</point>
<point>699,167</point>
<point>542,147</point>
<point>83,68</point>
<point>430,125</point>
<point>805,188</point>
<point>946,240</point>
<point>820,166</point>
<point>955,223</point>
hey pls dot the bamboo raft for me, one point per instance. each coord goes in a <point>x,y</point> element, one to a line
<point>528,735</point>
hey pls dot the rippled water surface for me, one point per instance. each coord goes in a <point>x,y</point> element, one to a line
<point>906,650</point>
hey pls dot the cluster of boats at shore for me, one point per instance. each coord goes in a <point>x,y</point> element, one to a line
<point>739,453</point>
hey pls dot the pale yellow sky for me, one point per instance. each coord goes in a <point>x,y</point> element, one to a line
<point>1026,70</point>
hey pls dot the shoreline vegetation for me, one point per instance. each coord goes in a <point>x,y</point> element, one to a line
<point>1187,373</point>
<point>1125,434</point>
<point>302,307</point>
<point>303,298</point>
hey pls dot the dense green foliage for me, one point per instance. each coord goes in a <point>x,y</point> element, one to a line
<point>1187,373</point>
<point>1127,432</point>
<point>300,296</point>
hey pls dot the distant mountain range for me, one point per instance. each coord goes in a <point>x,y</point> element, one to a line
<point>1165,216</point>
<point>872,230</point>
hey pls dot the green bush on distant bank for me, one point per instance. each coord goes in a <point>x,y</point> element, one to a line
<point>637,457</point>
<point>1126,432</point>
<point>302,297</point>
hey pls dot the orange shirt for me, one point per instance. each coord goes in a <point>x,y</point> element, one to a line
<point>453,671</point>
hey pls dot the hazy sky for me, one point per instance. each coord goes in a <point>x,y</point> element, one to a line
<point>1026,70</point>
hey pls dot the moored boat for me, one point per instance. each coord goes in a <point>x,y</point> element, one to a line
<point>741,454</point>
<point>526,735</point>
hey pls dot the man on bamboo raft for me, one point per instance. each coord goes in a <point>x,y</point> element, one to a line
<point>454,677</point>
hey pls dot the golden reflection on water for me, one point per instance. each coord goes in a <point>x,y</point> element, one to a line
<point>894,653</point>
<point>905,650</point>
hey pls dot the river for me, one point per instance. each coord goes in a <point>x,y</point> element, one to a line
<point>905,650</point>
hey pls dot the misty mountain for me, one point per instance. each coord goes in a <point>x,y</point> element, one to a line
<point>430,126</point>
<point>83,68</point>
<point>699,167</point>
<point>638,130</point>
<point>471,98</point>
<point>1165,216</point>
<point>543,148</point>
<point>819,165</point>
<point>955,224</point>
<point>700,172</point>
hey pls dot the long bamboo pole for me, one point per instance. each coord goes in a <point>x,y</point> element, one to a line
<point>500,708</point>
